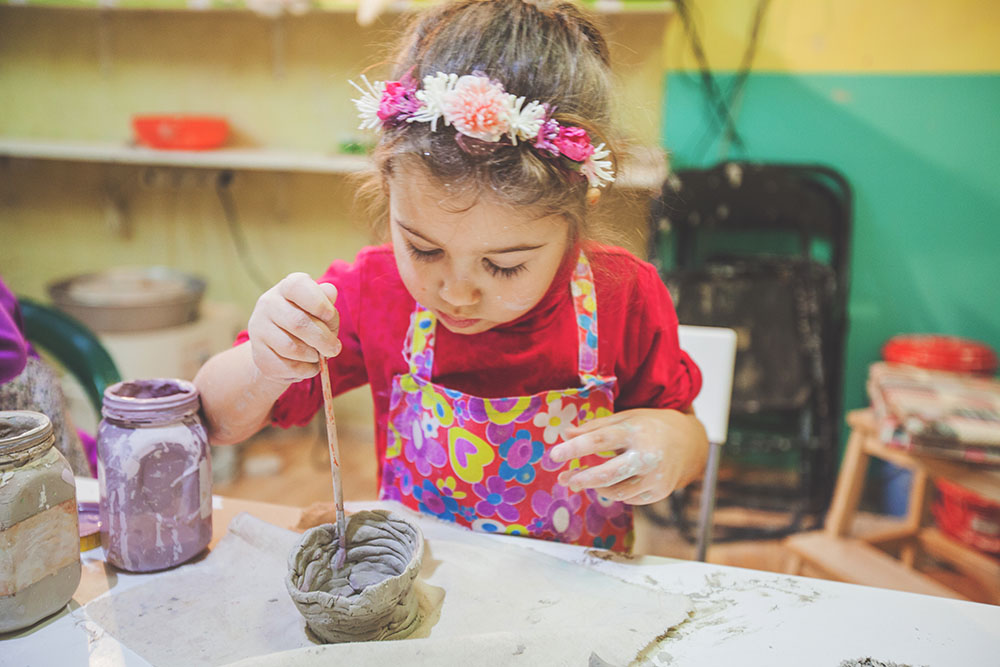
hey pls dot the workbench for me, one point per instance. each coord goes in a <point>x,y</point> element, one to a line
<point>741,617</point>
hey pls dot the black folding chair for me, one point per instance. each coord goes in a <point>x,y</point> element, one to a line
<point>764,249</point>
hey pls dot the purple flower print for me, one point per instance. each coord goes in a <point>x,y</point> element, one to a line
<point>423,452</point>
<point>431,502</point>
<point>518,453</point>
<point>498,499</point>
<point>559,512</point>
<point>601,512</point>
<point>477,409</point>
<point>423,361</point>
<point>397,481</point>
<point>497,434</point>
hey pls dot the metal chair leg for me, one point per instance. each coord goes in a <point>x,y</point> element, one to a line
<point>708,501</point>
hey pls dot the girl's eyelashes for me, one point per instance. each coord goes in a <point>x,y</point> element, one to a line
<point>422,255</point>
<point>494,269</point>
<point>503,271</point>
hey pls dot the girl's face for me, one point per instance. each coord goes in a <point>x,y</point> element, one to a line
<point>474,263</point>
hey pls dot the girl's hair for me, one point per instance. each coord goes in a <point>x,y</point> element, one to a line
<point>541,50</point>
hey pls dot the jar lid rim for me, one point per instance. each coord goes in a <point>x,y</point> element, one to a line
<point>38,431</point>
<point>186,396</point>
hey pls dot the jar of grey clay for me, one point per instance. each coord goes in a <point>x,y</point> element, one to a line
<point>372,596</point>
<point>154,474</point>
<point>39,541</point>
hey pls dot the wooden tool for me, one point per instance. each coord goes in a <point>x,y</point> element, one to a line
<point>338,487</point>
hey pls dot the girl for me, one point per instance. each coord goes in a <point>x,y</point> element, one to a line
<point>526,380</point>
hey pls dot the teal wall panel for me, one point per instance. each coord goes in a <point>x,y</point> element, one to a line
<point>922,153</point>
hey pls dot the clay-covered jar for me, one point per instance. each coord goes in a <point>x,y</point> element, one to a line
<point>154,474</point>
<point>39,540</point>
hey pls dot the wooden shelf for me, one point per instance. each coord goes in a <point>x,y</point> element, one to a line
<point>646,169</point>
<point>851,558</point>
<point>253,159</point>
<point>638,7</point>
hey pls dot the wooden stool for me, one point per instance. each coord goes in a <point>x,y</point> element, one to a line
<point>856,559</point>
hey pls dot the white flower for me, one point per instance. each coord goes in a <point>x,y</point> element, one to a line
<point>525,122</point>
<point>597,169</point>
<point>434,95</point>
<point>429,425</point>
<point>368,103</point>
<point>556,420</point>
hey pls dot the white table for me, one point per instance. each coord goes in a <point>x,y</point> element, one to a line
<point>742,617</point>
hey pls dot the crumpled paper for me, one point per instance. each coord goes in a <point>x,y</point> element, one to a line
<point>484,600</point>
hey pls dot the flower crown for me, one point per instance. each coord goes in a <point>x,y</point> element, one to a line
<point>479,108</point>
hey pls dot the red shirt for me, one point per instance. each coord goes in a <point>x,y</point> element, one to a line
<point>637,340</point>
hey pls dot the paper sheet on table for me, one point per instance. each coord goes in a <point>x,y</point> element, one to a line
<point>487,602</point>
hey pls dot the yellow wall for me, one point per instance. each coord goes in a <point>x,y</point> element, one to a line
<point>846,35</point>
<point>81,75</point>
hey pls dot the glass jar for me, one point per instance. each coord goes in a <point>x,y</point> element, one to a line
<point>154,474</point>
<point>39,542</point>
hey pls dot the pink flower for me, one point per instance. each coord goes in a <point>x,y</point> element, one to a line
<point>478,108</point>
<point>574,143</point>
<point>398,99</point>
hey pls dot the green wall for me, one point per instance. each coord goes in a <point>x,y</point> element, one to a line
<point>922,153</point>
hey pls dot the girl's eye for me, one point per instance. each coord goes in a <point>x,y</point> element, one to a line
<point>422,255</point>
<point>503,271</point>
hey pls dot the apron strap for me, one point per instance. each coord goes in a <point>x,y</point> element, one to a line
<point>585,307</point>
<point>418,349</point>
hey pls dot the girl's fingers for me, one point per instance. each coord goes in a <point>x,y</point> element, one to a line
<point>306,329</point>
<point>308,295</point>
<point>595,424</point>
<point>285,345</point>
<point>644,498</point>
<point>612,435</point>
<point>630,464</point>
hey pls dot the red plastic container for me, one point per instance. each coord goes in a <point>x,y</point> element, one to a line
<point>967,517</point>
<point>943,353</point>
<point>180,131</point>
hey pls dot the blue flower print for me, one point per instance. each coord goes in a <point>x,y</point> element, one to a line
<point>432,502</point>
<point>587,322</point>
<point>467,513</point>
<point>605,543</point>
<point>498,499</point>
<point>519,452</point>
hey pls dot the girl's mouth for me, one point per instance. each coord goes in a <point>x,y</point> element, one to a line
<point>457,323</point>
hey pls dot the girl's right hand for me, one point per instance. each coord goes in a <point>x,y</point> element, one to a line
<point>292,324</point>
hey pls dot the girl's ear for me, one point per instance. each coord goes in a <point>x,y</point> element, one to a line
<point>593,196</point>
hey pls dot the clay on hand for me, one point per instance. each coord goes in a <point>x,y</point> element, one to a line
<point>372,596</point>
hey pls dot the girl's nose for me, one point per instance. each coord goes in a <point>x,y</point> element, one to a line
<point>459,292</point>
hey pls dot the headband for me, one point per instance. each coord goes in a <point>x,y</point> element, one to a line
<point>479,108</point>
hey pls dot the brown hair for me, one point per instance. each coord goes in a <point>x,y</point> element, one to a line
<point>545,51</point>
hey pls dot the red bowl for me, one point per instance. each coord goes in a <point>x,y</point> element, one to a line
<point>180,131</point>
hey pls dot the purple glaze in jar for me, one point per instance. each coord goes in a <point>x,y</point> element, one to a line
<point>154,475</point>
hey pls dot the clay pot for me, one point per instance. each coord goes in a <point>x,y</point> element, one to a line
<point>372,596</point>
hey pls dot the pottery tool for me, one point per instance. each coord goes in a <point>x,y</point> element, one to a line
<point>338,487</point>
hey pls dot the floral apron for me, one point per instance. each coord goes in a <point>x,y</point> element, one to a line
<point>484,462</point>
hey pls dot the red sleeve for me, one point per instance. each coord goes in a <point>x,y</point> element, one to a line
<point>653,371</point>
<point>302,400</point>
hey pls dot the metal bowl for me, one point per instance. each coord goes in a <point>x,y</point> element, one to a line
<point>130,299</point>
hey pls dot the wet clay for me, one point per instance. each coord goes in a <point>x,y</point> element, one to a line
<point>372,596</point>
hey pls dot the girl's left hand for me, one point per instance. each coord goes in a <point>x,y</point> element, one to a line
<point>658,451</point>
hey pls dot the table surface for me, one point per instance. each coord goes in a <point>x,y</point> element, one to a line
<point>742,616</point>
